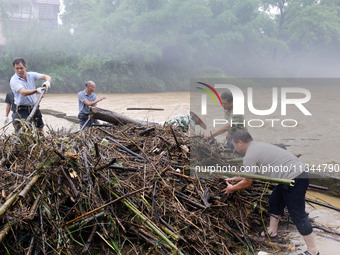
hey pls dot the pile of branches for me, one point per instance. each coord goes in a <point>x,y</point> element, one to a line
<point>119,190</point>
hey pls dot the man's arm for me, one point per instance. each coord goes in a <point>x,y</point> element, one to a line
<point>8,109</point>
<point>222,130</point>
<point>93,103</point>
<point>46,77</point>
<point>241,185</point>
<point>27,92</point>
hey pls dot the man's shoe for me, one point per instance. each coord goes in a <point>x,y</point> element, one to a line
<point>308,253</point>
<point>265,234</point>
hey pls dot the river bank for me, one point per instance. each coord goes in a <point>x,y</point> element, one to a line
<point>316,139</point>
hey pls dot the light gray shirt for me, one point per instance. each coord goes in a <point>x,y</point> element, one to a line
<point>272,161</point>
<point>17,83</point>
<point>82,96</point>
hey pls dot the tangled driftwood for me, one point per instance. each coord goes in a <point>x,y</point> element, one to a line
<point>120,189</point>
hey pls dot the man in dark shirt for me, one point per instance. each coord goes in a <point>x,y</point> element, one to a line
<point>10,105</point>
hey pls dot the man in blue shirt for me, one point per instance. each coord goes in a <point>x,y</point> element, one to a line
<point>24,90</point>
<point>87,98</point>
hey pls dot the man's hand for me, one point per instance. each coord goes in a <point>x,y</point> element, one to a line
<point>100,99</point>
<point>6,119</point>
<point>207,137</point>
<point>229,188</point>
<point>46,84</point>
<point>40,89</point>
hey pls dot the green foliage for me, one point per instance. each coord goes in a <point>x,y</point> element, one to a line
<point>316,26</point>
<point>158,45</point>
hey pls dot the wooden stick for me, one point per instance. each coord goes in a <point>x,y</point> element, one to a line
<point>321,204</point>
<point>126,149</point>
<point>86,221</point>
<point>244,235</point>
<point>144,108</point>
<point>70,183</point>
<point>34,207</point>
<point>42,232</point>
<point>103,206</point>
<point>147,131</point>
<point>174,135</point>
<point>15,174</point>
<point>116,118</point>
<point>30,248</point>
<point>106,165</point>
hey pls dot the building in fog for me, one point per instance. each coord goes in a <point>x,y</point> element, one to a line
<point>20,13</point>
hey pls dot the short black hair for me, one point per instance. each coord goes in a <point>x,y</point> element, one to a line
<point>18,61</point>
<point>241,135</point>
<point>227,95</point>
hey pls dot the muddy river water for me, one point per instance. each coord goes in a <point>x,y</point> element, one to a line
<point>317,138</point>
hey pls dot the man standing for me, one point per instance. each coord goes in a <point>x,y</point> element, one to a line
<point>87,98</point>
<point>10,105</point>
<point>24,90</point>
<point>265,159</point>
<point>234,123</point>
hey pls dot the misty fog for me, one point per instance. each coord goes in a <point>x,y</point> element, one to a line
<point>159,45</point>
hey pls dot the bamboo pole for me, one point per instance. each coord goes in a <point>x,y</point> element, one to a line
<point>35,108</point>
<point>14,197</point>
<point>249,176</point>
<point>4,231</point>
<point>8,203</point>
<point>235,160</point>
<point>150,224</point>
<point>28,186</point>
<point>103,206</point>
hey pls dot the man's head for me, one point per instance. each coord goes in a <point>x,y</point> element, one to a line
<point>241,140</point>
<point>227,100</point>
<point>19,65</point>
<point>90,87</point>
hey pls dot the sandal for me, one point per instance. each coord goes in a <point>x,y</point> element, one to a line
<point>308,253</point>
<point>265,234</point>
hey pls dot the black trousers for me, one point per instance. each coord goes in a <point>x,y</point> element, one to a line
<point>294,199</point>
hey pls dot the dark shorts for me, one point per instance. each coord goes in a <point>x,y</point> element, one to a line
<point>294,199</point>
<point>22,113</point>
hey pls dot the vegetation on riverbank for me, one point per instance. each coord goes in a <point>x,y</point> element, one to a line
<point>158,45</point>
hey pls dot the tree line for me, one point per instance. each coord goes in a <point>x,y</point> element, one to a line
<point>159,45</point>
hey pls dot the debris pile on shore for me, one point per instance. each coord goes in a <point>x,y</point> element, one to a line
<point>120,189</point>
